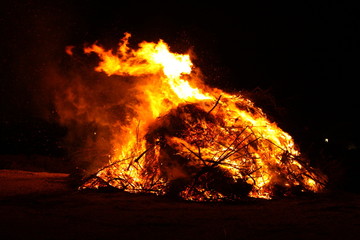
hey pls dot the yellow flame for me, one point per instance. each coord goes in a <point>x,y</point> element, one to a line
<point>164,89</point>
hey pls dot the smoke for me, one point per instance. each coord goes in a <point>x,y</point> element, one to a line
<point>32,48</point>
<point>92,106</point>
<point>35,34</point>
<point>42,83</point>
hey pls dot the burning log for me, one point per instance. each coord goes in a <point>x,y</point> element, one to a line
<point>179,142</point>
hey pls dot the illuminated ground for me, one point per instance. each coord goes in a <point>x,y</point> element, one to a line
<point>44,206</point>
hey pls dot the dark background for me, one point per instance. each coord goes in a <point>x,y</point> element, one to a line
<point>299,61</point>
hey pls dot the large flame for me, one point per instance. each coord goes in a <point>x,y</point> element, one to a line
<point>185,136</point>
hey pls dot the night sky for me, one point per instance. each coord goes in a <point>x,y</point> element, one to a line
<point>300,58</point>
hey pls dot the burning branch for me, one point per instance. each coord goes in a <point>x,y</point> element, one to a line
<point>217,102</point>
<point>181,147</point>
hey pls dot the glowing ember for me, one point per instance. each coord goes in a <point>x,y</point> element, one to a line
<point>190,140</point>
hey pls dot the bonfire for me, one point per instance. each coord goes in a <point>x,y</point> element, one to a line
<point>189,140</point>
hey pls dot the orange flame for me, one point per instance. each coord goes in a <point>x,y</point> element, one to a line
<point>223,132</point>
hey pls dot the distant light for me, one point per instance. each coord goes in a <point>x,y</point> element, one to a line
<point>352,146</point>
<point>326,140</point>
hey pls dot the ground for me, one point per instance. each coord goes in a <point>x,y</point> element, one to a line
<point>41,205</point>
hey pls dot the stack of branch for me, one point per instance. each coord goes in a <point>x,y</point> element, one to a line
<point>200,157</point>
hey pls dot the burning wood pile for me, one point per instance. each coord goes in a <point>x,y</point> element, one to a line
<point>191,141</point>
